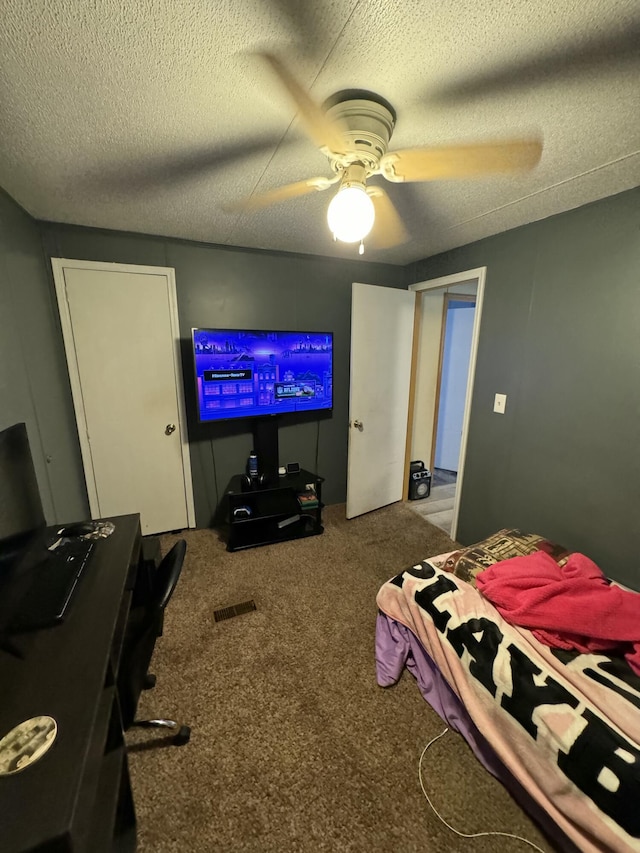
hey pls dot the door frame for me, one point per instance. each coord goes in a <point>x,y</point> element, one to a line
<point>448,297</point>
<point>477,276</point>
<point>59,265</point>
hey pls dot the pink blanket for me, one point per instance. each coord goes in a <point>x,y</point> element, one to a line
<point>566,607</point>
<point>563,723</point>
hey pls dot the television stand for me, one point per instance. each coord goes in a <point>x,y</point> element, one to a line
<point>276,513</point>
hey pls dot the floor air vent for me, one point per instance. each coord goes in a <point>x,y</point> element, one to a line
<point>234,610</point>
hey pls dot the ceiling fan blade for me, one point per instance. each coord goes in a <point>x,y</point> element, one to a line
<point>460,161</point>
<point>601,52</point>
<point>325,133</point>
<point>388,229</point>
<point>148,175</point>
<point>260,200</point>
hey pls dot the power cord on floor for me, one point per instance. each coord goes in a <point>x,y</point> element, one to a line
<point>448,825</point>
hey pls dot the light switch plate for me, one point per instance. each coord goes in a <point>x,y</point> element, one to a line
<point>500,403</point>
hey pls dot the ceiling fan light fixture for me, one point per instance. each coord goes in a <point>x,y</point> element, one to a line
<point>351,214</point>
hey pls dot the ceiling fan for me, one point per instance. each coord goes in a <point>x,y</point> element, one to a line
<point>353,129</point>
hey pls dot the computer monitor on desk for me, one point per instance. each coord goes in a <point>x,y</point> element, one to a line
<point>36,584</point>
<point>21,514</point>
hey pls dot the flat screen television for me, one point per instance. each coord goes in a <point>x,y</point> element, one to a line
<point>244,373</point>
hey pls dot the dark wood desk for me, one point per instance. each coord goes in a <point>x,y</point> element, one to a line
<point>76,797</point>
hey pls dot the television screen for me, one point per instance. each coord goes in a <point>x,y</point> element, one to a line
<point>242,373</point>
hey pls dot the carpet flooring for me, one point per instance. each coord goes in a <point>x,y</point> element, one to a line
<point>294,747</point>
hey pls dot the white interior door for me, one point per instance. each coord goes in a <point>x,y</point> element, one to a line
<point>381,345</point>
<point>121,338</point>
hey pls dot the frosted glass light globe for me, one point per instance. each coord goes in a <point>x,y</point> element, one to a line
<point>351,214</point>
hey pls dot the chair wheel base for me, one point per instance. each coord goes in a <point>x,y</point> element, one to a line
<point>183,736</point>
<point>149,681</point>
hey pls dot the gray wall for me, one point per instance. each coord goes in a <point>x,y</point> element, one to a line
<point>229,287</point>
<point>560,336</point>
<point>34,385</point>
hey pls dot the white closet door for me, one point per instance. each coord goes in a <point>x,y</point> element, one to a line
<point>121,339</point>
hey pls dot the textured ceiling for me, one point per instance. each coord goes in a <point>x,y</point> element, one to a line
<point>150,115</point>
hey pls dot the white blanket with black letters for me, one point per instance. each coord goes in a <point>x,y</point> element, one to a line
<point>568,731</point>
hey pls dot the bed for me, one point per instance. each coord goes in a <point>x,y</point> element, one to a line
<point>559,727</point>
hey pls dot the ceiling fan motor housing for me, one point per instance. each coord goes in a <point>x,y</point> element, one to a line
<point>367,125</point>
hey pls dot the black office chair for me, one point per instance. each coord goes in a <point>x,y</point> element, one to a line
<point>143,628</point>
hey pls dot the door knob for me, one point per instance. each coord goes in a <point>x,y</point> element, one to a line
<point>358,425</point>
<point>169,429</point>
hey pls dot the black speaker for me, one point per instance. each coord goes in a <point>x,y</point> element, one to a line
<point>419,482</point>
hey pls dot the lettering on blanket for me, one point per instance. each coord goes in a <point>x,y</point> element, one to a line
<point>426,599</point>
<point>609,682</point>
<point>614,673</point>
<point>598,760</point>
<point>605,767</point>
<point>527,695</point>
<point>481,638</point>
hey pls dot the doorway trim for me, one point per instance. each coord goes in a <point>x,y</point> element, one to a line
<point>477,276</point>
<point>59,265</point>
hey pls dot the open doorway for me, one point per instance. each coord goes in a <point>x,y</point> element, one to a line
<point>450,312</point>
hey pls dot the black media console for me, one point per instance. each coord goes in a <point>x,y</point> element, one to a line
<point>289,508</point>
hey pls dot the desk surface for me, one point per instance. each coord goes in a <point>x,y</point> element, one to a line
<point>64,672</point>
